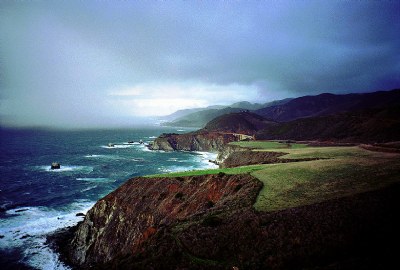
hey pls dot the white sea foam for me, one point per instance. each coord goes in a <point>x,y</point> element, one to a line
<point>205,159</point>
<point>152,137</point>
<point>170,169</point>
<point>27,228</point>
<point>96,179</point>
<point>121,146</point>
<point>88,188</point>
<point>67,168</point>
<point>95,156</point>
<point>108,157</point>
<point>138,159</point>
<point>144,148</point>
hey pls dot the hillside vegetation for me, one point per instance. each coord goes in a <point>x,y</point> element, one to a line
<point>329,104</point>
<point>335,211</point>
<point>242,122</point>
<point>368,125</point>
<point>336,172</point>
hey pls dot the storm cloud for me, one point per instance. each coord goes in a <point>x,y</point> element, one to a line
<point>91,63</point>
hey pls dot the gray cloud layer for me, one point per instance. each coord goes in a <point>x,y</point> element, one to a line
<point>62,58</point>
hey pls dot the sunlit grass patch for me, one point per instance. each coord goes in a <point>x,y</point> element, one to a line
<point>268,145</point>
<point>325,152</point>
<point>302,183</point>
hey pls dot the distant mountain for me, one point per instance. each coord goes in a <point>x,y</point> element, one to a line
<point>366,125</point>
<point>242,122</point>
<point>184,112</point>
<point>275,103</point>
<point>200,117</point>
<point>180,113</point>
<point>327,104</point>
<point>247,105</point>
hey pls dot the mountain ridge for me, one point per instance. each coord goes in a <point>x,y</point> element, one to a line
<point>357,118</point>
<point>201,117</point>
<point>327,103</point>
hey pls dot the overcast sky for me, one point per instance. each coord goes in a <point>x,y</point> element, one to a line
<point>94,63</point>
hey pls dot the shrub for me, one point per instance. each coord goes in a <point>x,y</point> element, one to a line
<point>237,188</point>
<point>209,204</point>
<point>179,195</point>
<point>212,221</point>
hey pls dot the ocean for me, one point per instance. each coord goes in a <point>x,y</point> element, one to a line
<point>36,201</point>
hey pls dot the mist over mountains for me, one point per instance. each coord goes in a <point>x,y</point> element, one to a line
<point>368,117</point>
<point>198,117</point>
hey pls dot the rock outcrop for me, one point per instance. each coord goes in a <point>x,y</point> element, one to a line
<point>243,157</point>
<point>249,157</point>
<point>194,141</point>
<point>215,135</point>
<point>226,151</point>
<point>55,165</point>
<point>120,223</point>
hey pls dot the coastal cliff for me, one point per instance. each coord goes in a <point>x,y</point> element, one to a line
<point>215,135</point>
<point>122,222</point>
<point>194,141</point>
<point>208,223</point>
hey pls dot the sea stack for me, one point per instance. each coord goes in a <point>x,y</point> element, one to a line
<point>55,166</point>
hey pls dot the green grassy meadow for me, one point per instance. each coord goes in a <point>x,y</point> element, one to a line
<point>268,145</point>
<point>340,171</point>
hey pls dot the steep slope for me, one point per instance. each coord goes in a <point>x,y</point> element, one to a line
<point>355,232</point>
<point>184,112</point>
<point>247,105</point>
<point>193,141</point>
<point>368,125</point>
<point>326,104</point>
<point>242,122</point>
<point>215,135</point>
<point>199,119</point>
<point>120,223</point>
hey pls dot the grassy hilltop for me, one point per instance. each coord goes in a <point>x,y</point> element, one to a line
<point>338,171</point>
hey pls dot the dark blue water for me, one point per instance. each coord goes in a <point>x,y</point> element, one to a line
<point>36,200</point>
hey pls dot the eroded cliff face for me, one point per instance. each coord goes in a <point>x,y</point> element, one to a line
<point>226,151</point>
<point>359,231</point>
<point>121,223</point>
<point>195,141</point>
<point>244,157</point>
